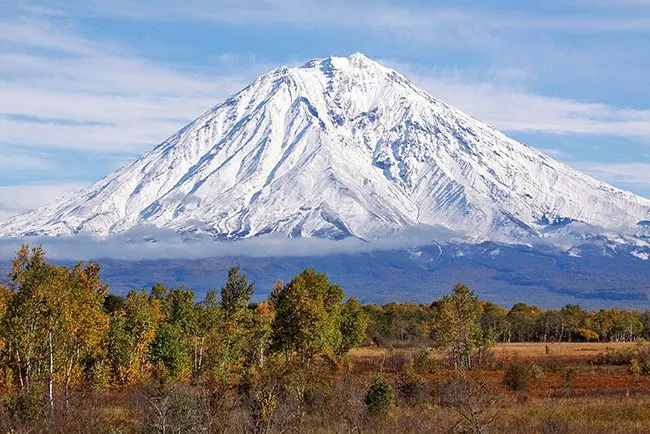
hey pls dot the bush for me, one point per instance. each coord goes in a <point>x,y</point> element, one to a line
<point>521,376</point>
<point>640,360</point>
<point>554,426</point>
<point>474,400</point>
<point>553,364</point>
<point>395,361</point>
<point>569,375</point>
<point>25,408</point>
<point>422,362</point>
<point>643,356</point>
<point>410,388</point>
<point>619,357</point>
<point>380,396</point>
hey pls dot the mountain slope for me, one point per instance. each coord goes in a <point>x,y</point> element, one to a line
<point>339,147</point>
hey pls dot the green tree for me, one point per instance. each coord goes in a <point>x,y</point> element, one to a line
<point>380,396</point>
<point>229,328</point>
<point>493,317</point>
<point>307,316</point>
<point>457,325</point>
<point>523,322</point>
<point>119,347</point>
<point>180,310</point>
<point>113,303</point>
<point>142,317</point>
<point>353,325</point>
<point>169,352</point>
<point>236,293</point>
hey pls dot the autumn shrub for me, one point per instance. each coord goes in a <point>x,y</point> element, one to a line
<point>395,361</point>
<point>521,376</point>
<point>643,358</point>
<point>25,407</point>
<point>554,425</point>
<point>347,407</point>
<point>475,401</point>
<point>619,357</point>
<point>410,388</point>
<point>570,374</point>
<point>380,396</point>
<point>635,367</point>
<point>421,360</point>
<point>553,363</point>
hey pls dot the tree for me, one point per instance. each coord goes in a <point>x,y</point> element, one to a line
<point>493,317</point>
<point>113,303</point>
<point>307,316</point>
<point>119,348</point>
<point>142,317</point>
<point>228,328</point>
<point>55,317</point>
<point>236,293</point>
<point>178,307</point>
<point>169,351</point>
<point>5,298</point>
<point>404,322</point>
<point>81,321</point>
<point>261,332</point>
<point>645,320</point>
<point>457,327</point>
<point>29,323</point>
<point>353,325</point>
<point>523,320</point>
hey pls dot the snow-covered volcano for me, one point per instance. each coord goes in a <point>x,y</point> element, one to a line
<point>339,147</point>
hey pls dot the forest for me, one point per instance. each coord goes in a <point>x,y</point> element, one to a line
<point>76,358</point>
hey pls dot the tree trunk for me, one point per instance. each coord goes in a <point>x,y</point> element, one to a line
<point>50,378</point>
<point>20,372</point>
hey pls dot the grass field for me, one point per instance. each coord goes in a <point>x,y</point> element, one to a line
<point>522,349</point>
<point>588,377</point>
<point>574,393</point>
<point>577,391</point>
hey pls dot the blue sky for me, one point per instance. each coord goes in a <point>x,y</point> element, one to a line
<point>86,86</point>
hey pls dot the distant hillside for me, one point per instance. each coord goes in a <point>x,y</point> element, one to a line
<point>497,273</point>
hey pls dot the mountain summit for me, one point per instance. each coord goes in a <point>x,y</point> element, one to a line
<point>339,147</point>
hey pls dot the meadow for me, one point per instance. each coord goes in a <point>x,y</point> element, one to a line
<point>76,358</point>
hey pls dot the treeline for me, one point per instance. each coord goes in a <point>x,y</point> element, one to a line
<point>411,324</point>
<point>61,330</point>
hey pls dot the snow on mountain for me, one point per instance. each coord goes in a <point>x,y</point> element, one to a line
<point>340,147</point>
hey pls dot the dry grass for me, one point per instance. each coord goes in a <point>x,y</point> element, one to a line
<point>571,351</point>
<point>564,349</point>
<point>572,396</point>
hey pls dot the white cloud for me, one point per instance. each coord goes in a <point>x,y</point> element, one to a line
<point>431,22</point>
<point>513,109</point>
<point>120,102</point>
<point>60,89</point>
<point>153,243</point>
<point>15,162</point>
<point>637,174</point>
<point>17,199</point>
<point>422,23</point>
<point>556,153</point>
